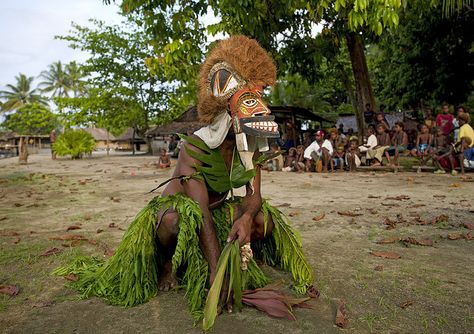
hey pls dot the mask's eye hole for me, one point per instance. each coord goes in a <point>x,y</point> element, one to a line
<point>249,102</point>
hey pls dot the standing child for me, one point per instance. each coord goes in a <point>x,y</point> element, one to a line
<point>424,141</point>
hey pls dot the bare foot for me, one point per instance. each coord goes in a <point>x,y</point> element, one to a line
<point>168,279</point>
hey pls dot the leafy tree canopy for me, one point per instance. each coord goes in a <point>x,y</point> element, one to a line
<point>31,119</point>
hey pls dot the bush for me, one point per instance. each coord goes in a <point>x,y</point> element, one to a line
<point>74,143</point>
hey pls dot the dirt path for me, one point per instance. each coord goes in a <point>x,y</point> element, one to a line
<point>340,216</point>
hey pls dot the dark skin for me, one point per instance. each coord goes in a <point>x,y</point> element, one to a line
<point>248,219</point>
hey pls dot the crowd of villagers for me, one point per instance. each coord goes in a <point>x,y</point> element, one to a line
<point>445,142</point>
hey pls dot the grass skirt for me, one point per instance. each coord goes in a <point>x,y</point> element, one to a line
<point>130,276</point>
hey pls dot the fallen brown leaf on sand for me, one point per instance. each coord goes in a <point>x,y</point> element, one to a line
<point>68,237</point>
<point>292,214</point>
<point>469,226</point>
<point>9,234</point>
<point>454,236</point>
<point>73,227</point>
<point>318,218</point>
<point>72,277</point>
<point>43,304</point>
<point>18,205</point>
<point>372,196</point>
<point>439,196</point>
<point>282,205</point>
<point>386,255</point>
<point>99,230</point>
<point>73,243</point>
<point>51,251</point>
<point>406,304</point>
<point>379,267</point>
<point>349,213</point>
<point>390,223</point>
<point>372,211</point>
<point>413,241</point>
<point>341,318</point>
<point>440,219</point>
<point>10,290</point>
<point>313,292</point>
<point>391,204</point>
<point>417,205</point>
<point>467,236</point>
<point>454,185</point>
<point>115,199</point>
<point>3,218</point>
<point>92,242</point>
<point>388,241</point>
<point>398,198</point>
<point>112,225</point>
<point>17,240</point>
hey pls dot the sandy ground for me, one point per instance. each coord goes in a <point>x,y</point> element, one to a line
<point>340,216</point>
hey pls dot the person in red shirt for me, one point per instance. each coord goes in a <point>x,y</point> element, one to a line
<point>445,120</point>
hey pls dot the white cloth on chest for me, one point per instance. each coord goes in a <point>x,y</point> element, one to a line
<point>214,134</point>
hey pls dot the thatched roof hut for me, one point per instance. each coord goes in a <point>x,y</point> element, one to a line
<point>187,122</point>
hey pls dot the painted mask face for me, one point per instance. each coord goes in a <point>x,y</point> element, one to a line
<point>250,115</point>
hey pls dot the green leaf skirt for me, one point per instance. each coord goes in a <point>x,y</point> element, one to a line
<point>130,276</point>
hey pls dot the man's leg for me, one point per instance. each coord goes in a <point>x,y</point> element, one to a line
<point>167,233</point>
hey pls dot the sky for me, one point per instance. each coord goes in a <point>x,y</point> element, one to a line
<point>28,28</point>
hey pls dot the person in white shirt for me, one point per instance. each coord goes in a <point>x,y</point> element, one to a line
<point>371,141</point>
<point>318,153</point>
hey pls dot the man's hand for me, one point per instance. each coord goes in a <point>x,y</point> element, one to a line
<point>241,229</point>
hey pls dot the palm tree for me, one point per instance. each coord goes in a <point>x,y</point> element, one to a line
<point>74,75</point>
<point>451,6</point>
<point>20,94</point>
<point>55,80</point>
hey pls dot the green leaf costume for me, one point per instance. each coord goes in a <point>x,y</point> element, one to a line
<point>130,276</point>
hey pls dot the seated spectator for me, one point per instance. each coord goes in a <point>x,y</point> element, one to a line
<point>399,143</point>
<point>275,164</point>
<point>371,141</point>
<point>164,160</point>
<point>338,144</point>
<point>341,133</point>
<point>319,153</point>
<point>445,120</point>
<point>467,154</point>
<point>424,141</point>
<point>352,155</point>
<point>350,132</point>
<point>412,135</point>
<point>380,119</point>
<point>465,130</point>
<point>383,142</point>
<point>285,143</point>
<point>460,111</point>
<point>290,160</point>
<point>306,139</point>
<point>440,148</point>
<point>300,166</point>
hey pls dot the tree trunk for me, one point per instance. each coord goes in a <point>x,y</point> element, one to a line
<point>133,141</point>
<point>108,142</point>
<point>364,93</point>
<point>23,156</point>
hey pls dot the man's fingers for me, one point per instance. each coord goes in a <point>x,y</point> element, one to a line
<point>232,234</point>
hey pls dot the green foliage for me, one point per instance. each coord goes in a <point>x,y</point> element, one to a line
<point>59,80</point>
<point>121,91</point>
<point>31,119</point>
<point>74,143</point>
<point>214,170</point>
<point>20,94</point>
<point>410,71</point>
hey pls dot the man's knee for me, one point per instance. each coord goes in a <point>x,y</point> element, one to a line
<point>169,225</point>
